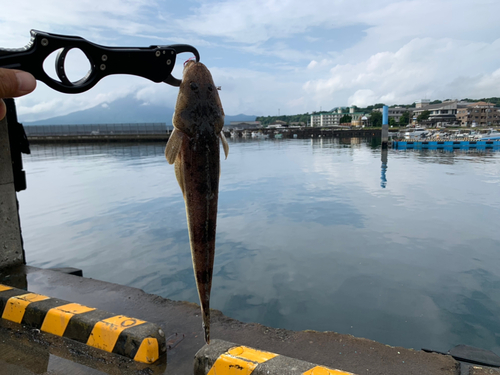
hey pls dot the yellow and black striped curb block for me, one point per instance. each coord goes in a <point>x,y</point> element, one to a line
<point>133,338</point>
<point>225,358</point>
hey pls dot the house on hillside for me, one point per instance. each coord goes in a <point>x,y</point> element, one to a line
<point>444,113</point>
<point>479,114</point>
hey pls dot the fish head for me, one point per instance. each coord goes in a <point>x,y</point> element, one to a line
<point>198,103</point>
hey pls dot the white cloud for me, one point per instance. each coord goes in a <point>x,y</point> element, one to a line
<point>421,68</point>
<point>362,98</point>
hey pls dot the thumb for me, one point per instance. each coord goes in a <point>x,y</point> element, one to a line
<point>14,83</point>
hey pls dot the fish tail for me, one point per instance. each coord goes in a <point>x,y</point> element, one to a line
<point>206,324</point>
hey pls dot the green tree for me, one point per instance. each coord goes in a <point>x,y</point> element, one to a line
<point>405,118</point>
<point>392,122</point>
<point>345,119</point>
<point>376,119</point>
<point>423,116</point>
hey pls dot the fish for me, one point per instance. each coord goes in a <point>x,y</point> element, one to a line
<point>194,149</point>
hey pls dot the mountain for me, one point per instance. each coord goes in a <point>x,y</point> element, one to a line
<point>125,110</point>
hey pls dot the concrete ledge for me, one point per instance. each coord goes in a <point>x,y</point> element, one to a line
<point>133,338</point>
<point>225,358</point>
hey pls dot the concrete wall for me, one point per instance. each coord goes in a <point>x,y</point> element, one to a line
<point>11,250</point>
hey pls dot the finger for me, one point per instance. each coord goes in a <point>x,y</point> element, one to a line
<point>14,83</point>
<point>3,110</point>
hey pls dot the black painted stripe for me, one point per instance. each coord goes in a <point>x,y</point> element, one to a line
<point>36,311</point>
<point>131,338</point>
<point>80,326</point>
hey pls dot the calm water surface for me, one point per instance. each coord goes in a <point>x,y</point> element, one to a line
<point>310,234</point>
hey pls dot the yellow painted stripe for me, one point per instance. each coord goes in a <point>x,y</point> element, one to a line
<point>229,365</point>
<point>3,288</point>
<point>251,354</point>
<point>57,319</point>
<point>148,351</point>
<point>240,360</point>
<point>319,370</point>
<point>106,332</point>
<point>16,306</point>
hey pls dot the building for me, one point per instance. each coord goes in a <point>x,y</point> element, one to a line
<point>422,103</point>
<point>327,118</point>
<point>478,114</point>
<point>333,118</point>
<point>442,113</point>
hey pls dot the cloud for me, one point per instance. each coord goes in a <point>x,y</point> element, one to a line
<point>421,68</point>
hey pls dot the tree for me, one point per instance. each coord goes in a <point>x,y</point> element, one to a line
<point>345,119</point>
<point>376,119</point>
<point>423,116</point>
<point>392,122</point>
<point>405,118</point>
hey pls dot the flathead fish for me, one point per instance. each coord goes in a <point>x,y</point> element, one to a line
<point>194,148</point>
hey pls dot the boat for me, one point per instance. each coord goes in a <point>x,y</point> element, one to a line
<point>259,135</point>
<point>492,135</point>
<point>417,132</point>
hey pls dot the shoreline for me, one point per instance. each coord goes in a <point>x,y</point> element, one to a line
<point>304,133</point>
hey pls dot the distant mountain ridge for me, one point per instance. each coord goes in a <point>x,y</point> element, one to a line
<point>124,110</point>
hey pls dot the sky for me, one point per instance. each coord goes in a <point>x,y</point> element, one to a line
<point>275,57</point>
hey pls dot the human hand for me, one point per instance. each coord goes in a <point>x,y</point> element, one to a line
<point>14,83</point>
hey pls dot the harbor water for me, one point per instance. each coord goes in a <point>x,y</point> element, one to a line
<point>321,234</point>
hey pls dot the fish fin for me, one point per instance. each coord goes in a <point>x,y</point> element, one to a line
<point>224,143</point>
<point>179,174</point>
<point>173,146</point>
<point>206,324</point>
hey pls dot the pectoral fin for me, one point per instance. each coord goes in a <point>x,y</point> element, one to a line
<point>179,174</point>
<point>224,143</point>
<point>173,146</point>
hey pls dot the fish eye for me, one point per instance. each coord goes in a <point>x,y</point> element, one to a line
<point>194,86</point>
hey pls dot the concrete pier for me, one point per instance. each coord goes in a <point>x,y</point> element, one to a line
<point>11,249</point>
<point>300,133</point>
<point>181,323</point>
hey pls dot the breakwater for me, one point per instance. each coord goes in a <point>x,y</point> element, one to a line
<point>305,132</point>
<point>300,133</point>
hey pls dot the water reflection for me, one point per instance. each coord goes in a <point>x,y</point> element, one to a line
<point>310,235</point>
<point>129,150</point>
<point>383,177</point>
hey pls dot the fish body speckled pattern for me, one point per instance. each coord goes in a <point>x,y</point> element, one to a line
<point>194,148</point>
